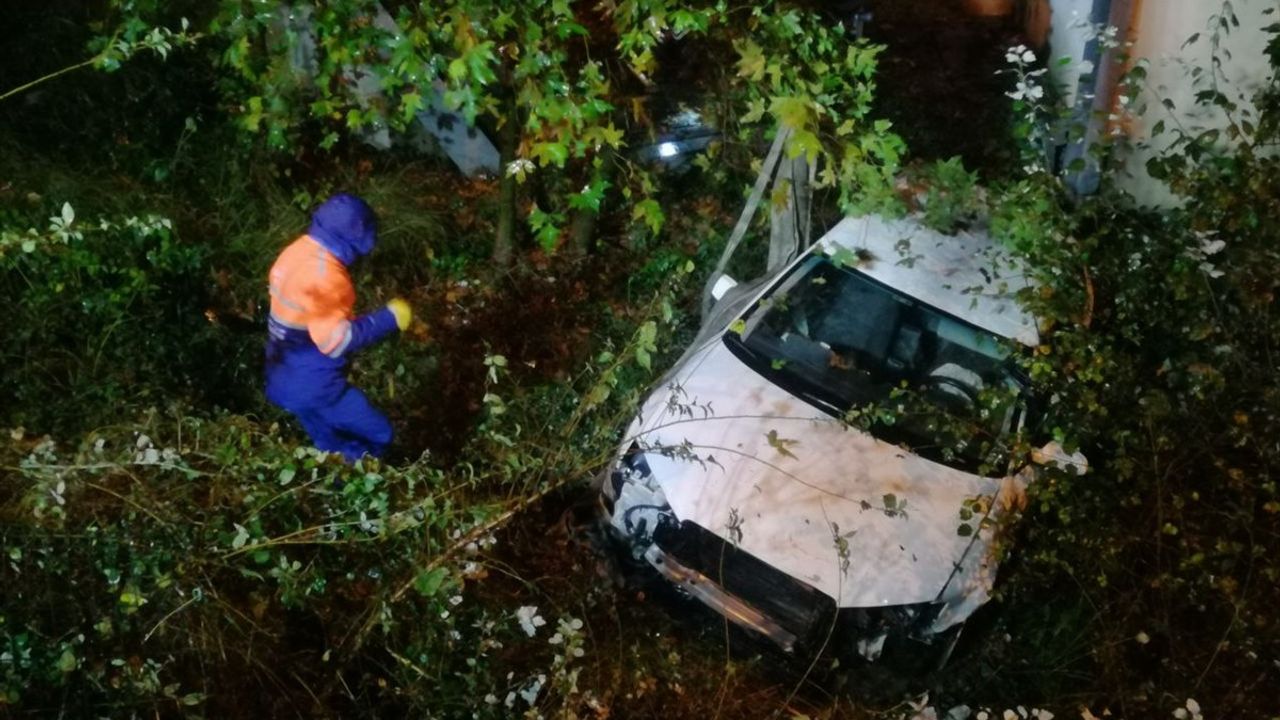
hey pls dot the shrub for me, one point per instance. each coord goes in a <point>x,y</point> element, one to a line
<point>100,312</point>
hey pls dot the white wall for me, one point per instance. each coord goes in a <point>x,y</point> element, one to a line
<point>1161,28</point>
<point>1069,33</point>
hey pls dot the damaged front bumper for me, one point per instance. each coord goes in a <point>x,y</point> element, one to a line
<point>754,595</point>
<point>763,601</point>
<point>718,599</point>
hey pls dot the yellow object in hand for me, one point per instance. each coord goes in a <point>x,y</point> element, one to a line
<point>403,314</point>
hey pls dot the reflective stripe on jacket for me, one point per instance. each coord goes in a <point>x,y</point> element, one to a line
<point>311,290</point>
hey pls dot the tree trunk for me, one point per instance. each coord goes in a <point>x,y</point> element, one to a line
<point>504,243</point>
<point>583,226</point>
<point>789,224</point>
<point>581,230</point>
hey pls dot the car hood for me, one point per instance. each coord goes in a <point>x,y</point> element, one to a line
<point>800,490</point>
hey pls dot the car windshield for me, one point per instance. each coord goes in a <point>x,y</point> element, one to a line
<point>906,372</point>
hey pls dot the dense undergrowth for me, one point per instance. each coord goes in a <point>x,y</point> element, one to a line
<point>208,562</point>
<point>184,536</point>
<point>173,548</point>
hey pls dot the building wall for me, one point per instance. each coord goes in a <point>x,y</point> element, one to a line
<point>1161,27</point>
<point>1069,33</point>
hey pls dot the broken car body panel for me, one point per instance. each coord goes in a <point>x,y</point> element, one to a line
<point>729,452</point>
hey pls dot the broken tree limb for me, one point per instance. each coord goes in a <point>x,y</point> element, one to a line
<point>789,221</point>
<point>748,212</point>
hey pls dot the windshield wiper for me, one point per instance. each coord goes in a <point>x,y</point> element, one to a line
<point>823,402</point>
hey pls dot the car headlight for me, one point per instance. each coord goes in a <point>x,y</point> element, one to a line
<point>631,466</point>
<point>639,505</point>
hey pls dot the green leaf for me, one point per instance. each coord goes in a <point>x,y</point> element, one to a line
<point>804,142</point>
<point>546,228</point>
<point>457,69</point>
<point>548,237</point>
<point>651,213</point>
<point>751,61</point>
<point>130,597</point>
<point>410,105</point>
<point>642,358</point>
<point>598,395</point>
<point>569,29</point>
<point>67,661</point>
<point>793,112</point>
<point>428,583</point>
<point>845,257</point>
<point>550,153</point>
<point>782,445</point>
<point>253,116</point>
<point>590,197</point>
<point>648,333</point>
<point>890,501</point>
<point>480,62</point>
<point>965,530</point>
<point>603,135</point>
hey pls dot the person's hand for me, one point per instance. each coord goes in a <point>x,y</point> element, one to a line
<point>404,315</point>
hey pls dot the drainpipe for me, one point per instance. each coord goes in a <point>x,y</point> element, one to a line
<point>1096,96</point>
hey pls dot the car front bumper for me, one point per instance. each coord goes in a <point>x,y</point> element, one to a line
<point>711,594</point>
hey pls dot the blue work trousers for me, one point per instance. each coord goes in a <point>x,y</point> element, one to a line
<point>351,426</point>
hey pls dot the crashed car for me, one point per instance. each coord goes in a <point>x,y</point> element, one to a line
<point>753,480</point>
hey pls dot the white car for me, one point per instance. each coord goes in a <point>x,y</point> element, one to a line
<point>760,478</point>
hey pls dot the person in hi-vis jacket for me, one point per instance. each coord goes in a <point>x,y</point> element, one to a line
<point>313,330</point>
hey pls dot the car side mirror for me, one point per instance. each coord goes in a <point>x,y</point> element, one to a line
<point>1054,455</point>
<point>723,284</point>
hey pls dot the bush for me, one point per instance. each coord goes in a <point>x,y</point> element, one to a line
<point>106,311</point>
<point>1159,360</point>
<point>179,565</point>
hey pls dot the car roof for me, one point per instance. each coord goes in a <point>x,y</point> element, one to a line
<point>967,274</point>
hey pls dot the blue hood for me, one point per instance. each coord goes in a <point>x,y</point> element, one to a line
<point>346,226</point>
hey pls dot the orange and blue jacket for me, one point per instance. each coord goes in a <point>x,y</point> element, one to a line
<point>312,328</point>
